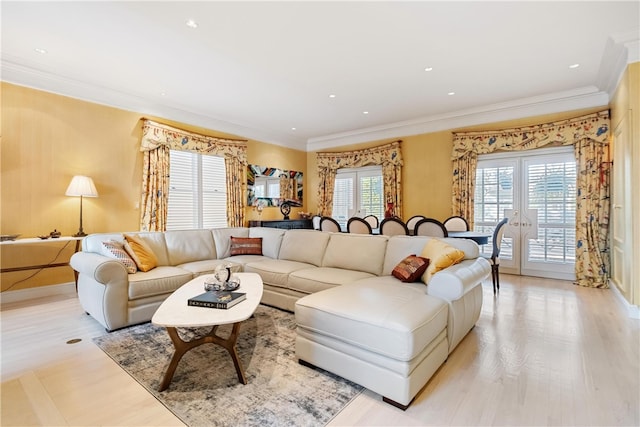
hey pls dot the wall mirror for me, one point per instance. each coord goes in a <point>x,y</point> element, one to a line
<point>270,186</point>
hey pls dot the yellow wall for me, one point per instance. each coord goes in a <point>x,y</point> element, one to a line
<point>48,138</point>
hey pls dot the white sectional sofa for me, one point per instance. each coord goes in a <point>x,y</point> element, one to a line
<point>354,318</point>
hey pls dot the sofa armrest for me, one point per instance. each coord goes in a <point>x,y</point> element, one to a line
<point>453,282</point>
<point>100,268</point>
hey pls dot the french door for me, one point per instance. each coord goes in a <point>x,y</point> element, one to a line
<point>536,190</point>
<point>358,192</point>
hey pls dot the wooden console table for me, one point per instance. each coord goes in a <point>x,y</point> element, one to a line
<point>287,224</point>
<point>35,240</point>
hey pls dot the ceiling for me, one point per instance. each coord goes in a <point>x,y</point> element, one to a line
<point>260,69</point>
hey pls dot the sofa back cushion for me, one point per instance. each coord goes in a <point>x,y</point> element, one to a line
<point>189,245</point>
<point>222,238</point>
<point>304,246</point>
<point>155,241</point>
<point>356,252</point>
<point>271,239</point>
<point>399,247</point>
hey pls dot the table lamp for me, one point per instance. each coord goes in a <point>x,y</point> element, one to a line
<point>81,186</point>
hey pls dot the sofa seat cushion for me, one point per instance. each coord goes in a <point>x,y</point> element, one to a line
<point>208,266</point>
<point>160,280</point>
<point>275,272</point>
<point>246,259</point>
<point>398,322</point>
<point>316,279</point>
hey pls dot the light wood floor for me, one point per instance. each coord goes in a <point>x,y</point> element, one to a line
<point>544,352</point>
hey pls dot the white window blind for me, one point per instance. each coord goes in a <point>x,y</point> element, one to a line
<point>343,198</point>
<point>197,191</point>
<point>551,189</point>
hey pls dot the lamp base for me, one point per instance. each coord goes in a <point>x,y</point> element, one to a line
<point>80,234</point>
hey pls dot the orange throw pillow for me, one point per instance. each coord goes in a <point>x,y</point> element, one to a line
<point>140,252</point>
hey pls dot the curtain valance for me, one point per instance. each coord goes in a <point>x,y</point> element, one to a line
<point>387,154</point>
<point>566,132</point>
<point>155,135</point>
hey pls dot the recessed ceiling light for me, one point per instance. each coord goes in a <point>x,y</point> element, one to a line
<point>163,93</point>
<point>39,50</point>
<point>191,23</point>
<point>429,69</point>
<point>293,128</point>
<point>365,112</point>
<point>574,66</point>
<point>332,96</point>
<point>451,93</point>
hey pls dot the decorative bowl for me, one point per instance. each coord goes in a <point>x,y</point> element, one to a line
<point>6,237</point>
<point>43,237</point>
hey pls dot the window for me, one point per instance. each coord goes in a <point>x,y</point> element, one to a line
<point>197,191</point>
<point>267,187</point>
<point>358,192</point>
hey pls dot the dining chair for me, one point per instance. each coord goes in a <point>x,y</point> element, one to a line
<point>358,225</point>
<point>329,224</point>
<point>411,223</point>
<point>372,220</point>
<point>315,220</point>
<point>494,259</point>
<point>430,227</point>
<point>456,223</point>
<point>393,226</point>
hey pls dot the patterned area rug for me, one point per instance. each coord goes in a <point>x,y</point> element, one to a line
<point>205,388</point>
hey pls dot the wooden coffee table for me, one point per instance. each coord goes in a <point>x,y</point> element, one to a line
<point>175,313</point>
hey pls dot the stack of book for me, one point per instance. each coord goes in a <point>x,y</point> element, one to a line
<point>217,299</point>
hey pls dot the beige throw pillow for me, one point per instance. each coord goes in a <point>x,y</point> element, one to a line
<point>116,250</point>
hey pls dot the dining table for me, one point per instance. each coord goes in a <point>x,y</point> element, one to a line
<point>478,237</point>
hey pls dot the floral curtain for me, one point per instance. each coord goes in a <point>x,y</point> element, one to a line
<point>590,137</point>
<point>157,141</point>
<point>388,156</point>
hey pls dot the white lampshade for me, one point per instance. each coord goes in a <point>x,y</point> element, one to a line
<point>81,186</point>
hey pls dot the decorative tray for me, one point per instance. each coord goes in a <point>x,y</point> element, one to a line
<point>7,237</point>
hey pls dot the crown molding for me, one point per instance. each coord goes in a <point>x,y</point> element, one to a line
<point>581,98</point>
<point>621,49</point>
<point>21,75</point>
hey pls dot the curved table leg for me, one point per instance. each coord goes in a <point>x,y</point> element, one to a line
<point>182,347</point>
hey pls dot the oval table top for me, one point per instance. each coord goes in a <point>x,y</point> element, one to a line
<point>174,311</point>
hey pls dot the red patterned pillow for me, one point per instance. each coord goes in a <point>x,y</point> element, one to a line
<point>246,246</point>
<point>411,268</point>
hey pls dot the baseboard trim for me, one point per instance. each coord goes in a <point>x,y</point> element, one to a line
<point>632,310</point>
<point>38,292</point>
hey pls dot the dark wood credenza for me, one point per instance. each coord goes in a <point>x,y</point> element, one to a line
<point>286,224</point>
